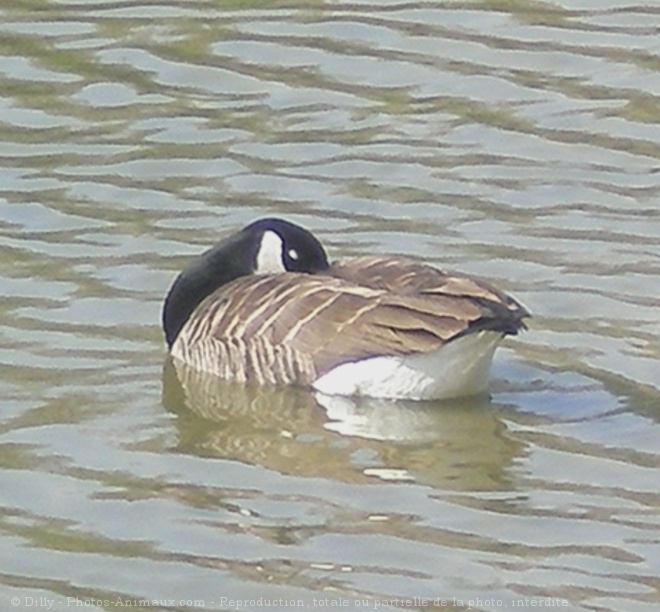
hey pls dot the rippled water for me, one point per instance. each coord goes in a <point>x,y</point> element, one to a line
<point>514,140</point>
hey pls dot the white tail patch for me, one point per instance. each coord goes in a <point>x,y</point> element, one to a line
<point>457,369</point>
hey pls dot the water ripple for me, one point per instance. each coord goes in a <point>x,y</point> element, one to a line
<point>517,141</point>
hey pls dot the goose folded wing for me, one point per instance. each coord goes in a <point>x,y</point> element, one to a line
<point>403,276</point>
<point>322,321</point>
<point>334,321</point>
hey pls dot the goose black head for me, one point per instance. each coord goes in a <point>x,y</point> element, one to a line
<point>266,246</point>
<point>284,247</point>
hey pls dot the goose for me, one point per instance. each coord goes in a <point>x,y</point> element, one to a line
<point>265,306</point>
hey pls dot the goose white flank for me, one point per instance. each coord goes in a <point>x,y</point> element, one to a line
<point>264,305</point>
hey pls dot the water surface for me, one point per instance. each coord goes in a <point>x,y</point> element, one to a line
<point>516,141</point>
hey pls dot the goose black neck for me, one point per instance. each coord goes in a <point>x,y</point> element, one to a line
<point>211,270</point>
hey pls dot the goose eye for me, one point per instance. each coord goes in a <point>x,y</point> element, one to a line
<point>293,254</point>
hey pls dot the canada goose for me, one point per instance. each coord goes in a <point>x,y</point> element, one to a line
<point>264,305</point>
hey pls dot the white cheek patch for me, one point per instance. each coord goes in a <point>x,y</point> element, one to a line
<point>269,257</point>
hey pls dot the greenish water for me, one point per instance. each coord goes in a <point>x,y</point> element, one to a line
<point>516,141</point>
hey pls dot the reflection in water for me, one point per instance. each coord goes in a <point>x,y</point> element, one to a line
<point>454,444</point>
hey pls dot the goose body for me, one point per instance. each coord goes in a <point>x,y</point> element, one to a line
<point>265,306</point>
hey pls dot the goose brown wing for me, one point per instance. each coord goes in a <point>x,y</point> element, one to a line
<point>324,321</point>
<point>306,324</point>
<point>407,277</point>
<point>355,324</point>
